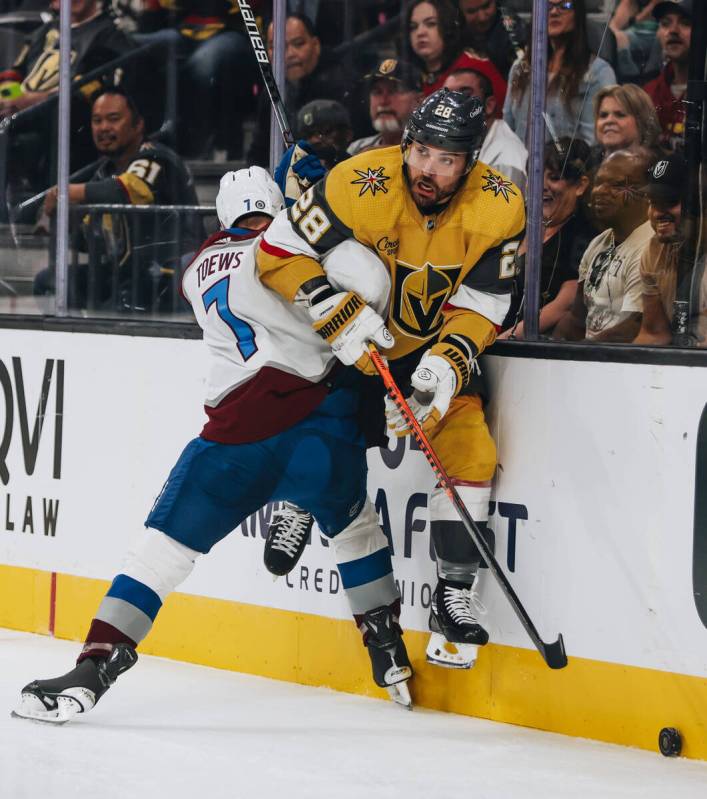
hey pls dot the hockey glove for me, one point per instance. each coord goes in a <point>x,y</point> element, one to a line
<point>309,170</point>
<point>347,323</point>
<point>298,169</point>
<point>435,382</point>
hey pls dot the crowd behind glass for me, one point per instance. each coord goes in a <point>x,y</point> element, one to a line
<point>168,88</point>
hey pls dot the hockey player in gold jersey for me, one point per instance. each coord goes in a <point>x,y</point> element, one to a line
<point>447,227</point>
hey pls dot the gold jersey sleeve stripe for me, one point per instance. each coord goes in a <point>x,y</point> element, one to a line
<point>138,191</point>
<point>284,274</point>
<point>470,324</point>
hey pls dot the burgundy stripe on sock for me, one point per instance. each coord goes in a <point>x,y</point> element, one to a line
<point>101,639</point>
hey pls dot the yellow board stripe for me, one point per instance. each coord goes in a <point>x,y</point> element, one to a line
<point>591,699</point>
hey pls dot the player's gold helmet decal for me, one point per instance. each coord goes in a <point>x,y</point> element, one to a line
<point>420,295</point>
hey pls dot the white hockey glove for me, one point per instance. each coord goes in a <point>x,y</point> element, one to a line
<point>347,323</point>
<point>435,382</point>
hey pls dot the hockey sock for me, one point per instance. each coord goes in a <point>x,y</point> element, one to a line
<point>364,563</point>
<point>153,567</point>
<point>458,558</point>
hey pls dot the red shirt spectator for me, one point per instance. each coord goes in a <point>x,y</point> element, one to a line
<point>468,61</point>
<point>670,109</point>
<point>668,90</point>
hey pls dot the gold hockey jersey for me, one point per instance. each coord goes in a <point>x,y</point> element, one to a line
<point>452,272</point>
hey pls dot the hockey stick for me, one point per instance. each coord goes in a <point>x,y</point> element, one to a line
<point>553,653</point>
<point>261,56</point>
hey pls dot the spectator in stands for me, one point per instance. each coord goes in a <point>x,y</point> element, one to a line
<point>141,253</point>
<point>634,29</point>
<point>326,126</point>
<point>324,131</point>
<point>575,77</point>
<point>607,305</point>
<point>95,40</point>
<point>394,91</point>
<point>434,28</point>
<point>217,71</point>
<point>667,91</point>
<point>566,234</point>
<point>659,263</point>
<point>502,149</point>
<point>624,119</point>
<point>310,75</point>
<point>494,33</point>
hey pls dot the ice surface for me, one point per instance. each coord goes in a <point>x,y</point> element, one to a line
<point>171,730</point>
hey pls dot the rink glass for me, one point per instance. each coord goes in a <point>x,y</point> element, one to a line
<point>126,262</point>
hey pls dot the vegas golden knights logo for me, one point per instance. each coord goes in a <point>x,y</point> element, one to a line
<point>420,295</point>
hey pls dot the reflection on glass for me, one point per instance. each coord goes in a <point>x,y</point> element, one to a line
<point>575,75</point>
<point>623,252</point>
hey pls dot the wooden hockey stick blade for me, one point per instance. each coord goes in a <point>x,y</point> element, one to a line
<point>553,653</point>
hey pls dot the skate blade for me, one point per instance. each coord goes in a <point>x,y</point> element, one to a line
<point>49,717</point>
<point>400,694</point>
<point>32,709</point>
<point>441,652</point>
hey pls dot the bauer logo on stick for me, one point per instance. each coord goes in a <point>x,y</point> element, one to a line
<point>252,27</point>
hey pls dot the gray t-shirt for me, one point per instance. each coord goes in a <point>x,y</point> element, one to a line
<point>611,278</point>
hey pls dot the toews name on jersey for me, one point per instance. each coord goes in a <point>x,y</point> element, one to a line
<point>251,332</point>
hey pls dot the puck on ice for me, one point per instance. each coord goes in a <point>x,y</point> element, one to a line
<point>669,742</point>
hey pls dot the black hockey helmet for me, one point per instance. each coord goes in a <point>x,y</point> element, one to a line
<point>452,121</point>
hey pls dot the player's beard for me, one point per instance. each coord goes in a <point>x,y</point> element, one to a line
<point>436,198</point>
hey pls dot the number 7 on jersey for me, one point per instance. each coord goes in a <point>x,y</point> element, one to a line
<point>244,333</point>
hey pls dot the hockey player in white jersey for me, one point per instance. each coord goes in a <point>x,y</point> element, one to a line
<point>281,426</point>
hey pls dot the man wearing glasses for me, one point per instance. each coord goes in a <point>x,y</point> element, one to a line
<point>608,305</point>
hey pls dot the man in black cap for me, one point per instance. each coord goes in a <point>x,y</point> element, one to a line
<point>394,91</point>
<point>667,91</point>
<point>326,125</point>
<point>659,262</point>
<point>324,131</point>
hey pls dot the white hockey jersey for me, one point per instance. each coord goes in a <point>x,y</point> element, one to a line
<point>268,367</point>
<point>267,364</point>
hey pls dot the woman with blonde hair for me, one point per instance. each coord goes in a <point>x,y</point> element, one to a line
<point>624,119</point>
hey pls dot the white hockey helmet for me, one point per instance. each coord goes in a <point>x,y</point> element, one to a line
<point>247,191</point>
<point>350,266</point>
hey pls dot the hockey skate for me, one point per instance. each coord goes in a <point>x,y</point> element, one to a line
<point>58,700</point>
<point>287,537</point>
<point>456,632</point>
<point>389,658</point>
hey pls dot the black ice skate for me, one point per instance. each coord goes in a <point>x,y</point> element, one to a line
<point>456,632</point>
<point>58,700</point>
<point>389,658</point>
<point>287,537</point>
